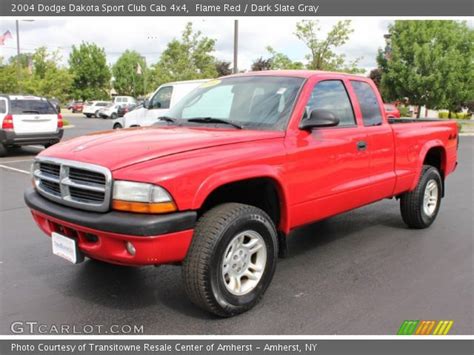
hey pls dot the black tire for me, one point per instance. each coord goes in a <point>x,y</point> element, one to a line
<point>88,116</point>
<point>73,111</point>
<point>3,150</point>
<point>202,268</point>
<point>117,126</point>
<point>412,203</point>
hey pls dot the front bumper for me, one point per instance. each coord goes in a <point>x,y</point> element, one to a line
<point>8,137</point>
<point>158,239</point>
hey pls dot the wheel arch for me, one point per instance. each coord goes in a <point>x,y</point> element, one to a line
<point>434,154</point>
<point>256,186</point>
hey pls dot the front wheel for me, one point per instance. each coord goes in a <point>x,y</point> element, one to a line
<point>420,207</point>
<point>231,260</point>
<point>117,126</point>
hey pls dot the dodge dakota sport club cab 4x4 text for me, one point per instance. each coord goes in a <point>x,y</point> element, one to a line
<point>231,169</point>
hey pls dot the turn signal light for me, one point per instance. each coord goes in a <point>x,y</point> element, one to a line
<point>143,207</point>
<point>7,122</point>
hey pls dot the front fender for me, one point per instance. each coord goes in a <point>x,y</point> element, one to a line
<point>214,181</point>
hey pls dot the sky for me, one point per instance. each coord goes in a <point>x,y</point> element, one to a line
<point>149,36</point>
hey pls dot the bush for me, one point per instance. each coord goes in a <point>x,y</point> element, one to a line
<point>404,111</point>
<point>65,122</point>
<point>443,114</point>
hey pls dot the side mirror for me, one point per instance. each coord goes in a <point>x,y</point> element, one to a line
<point>146,103</point>
<point>319,118</point>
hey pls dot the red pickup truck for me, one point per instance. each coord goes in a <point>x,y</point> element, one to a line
<point>218,183</point>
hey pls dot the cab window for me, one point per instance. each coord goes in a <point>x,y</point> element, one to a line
<point>369,106</point>
<point>331,95</point>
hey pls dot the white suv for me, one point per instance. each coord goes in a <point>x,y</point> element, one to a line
<point>165,97</point>
<point>92,108</point>
<point>28,120</point>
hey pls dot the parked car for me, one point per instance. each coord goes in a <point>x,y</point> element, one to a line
<point>391,110</point>
<point>124,100</point>
<point>233,168</point>
<point>56,104</point>
<point>124,109</point>
<point>77,107</point>
<point>28,120</point>
<point>92,108</point>
<point>165,97</point>
<point>109,111</point>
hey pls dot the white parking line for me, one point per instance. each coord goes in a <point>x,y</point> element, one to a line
<point>14,169</point>
<point>15,161</point>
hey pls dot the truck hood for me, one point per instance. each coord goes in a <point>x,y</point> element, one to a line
<point>120,148</point>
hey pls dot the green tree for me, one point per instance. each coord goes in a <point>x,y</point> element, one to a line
<point>322,54</point>
<point>47,78</point>
<point>261,64</point>
<point>282,61</point>
<point>223,68</point>
<point>129,74</point>
<point>91,74</point>
<point>186,59</point>
<point>8,77</point>
<point>430,63</point>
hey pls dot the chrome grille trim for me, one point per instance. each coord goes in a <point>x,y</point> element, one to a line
<point>80,187</point>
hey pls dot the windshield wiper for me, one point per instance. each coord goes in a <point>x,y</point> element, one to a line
<point>167,119</point>
<point>214,120</point>
<point>30,111</point>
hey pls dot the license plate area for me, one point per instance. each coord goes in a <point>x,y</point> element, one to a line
<point>66,248</point>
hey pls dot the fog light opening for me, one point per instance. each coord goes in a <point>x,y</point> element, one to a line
<point>130,248</point>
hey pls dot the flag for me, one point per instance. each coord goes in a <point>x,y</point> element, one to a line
<point>4,37</point>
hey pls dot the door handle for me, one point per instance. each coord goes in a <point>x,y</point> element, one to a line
<point>361,145</point>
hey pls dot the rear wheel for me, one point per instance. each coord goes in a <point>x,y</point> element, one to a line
<point>3,150</point>
<point>420,207</point>
<point>231,260</point>
<point>88,116</point>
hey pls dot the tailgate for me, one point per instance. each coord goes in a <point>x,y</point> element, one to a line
<point>33,116</point>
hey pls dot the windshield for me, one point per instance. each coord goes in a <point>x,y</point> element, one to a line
<point>263,102</point>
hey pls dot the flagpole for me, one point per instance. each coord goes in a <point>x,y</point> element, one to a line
<point>18,64</point>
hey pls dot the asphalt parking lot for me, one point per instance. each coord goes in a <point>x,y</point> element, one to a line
<point>362,272</point>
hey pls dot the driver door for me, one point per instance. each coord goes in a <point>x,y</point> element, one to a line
<point>330,165</point>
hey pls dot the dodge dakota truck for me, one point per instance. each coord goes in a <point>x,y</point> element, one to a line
<point>221,180</point>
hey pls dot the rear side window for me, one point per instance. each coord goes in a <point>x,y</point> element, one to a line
<point>102,104</point>
<point>32,107</point>
<point>3,106</point>
<point>368,103</point>
<point>331,95</point>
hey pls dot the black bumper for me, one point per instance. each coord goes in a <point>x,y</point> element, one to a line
<point>140,225</point>
<point>11,138</point>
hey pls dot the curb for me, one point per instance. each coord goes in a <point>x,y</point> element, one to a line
<point>69,126</point>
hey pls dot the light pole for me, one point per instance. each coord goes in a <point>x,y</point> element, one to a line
<point>236,45</point>
<point>18,62</point>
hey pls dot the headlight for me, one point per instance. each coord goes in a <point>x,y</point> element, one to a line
<point>141,198</point>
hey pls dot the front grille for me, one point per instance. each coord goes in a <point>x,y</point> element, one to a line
<point>85,195</point>
<point>74,184</point>
<point>49,169</point>
<point>51,187</point>
<point>87,177</point>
